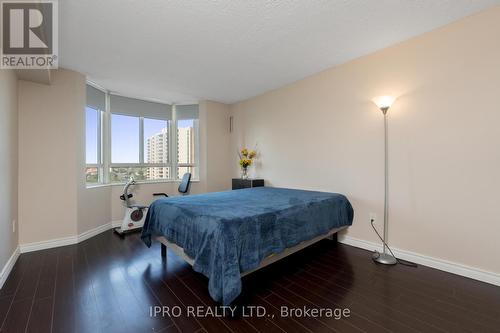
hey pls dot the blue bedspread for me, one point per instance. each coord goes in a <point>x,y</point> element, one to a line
<point>231,232</point>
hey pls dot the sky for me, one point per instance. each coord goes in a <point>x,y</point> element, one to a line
<point>124,136</point>
<point>91,135</point>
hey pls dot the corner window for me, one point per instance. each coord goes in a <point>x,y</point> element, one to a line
<point>147,140</point>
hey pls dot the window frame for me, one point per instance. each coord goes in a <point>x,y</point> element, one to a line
<point>105,146</point>
<point>99,153</point>
<point>142,163</point>
<point>110,149</point>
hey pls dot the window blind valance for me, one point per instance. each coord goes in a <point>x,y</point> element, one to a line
<point>96,99</point>
<point>187,111</point>
<point>139,108</point>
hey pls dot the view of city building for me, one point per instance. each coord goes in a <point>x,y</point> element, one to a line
<point>185,145</point>
<point>157,151</point>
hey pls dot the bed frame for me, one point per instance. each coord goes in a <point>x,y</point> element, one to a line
<point>179,251</point>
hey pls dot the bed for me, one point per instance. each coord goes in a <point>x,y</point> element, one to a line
<point>227,235</point>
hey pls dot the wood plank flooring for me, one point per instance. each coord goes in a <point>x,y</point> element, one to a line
<point>108,284</point>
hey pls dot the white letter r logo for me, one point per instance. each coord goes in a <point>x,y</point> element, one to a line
<point>17,27</point>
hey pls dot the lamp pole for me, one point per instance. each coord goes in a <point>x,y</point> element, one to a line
<point>386,181</point>
<point>385,257</point>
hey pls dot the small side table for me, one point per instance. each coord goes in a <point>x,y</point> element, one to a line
<point>239,183</point>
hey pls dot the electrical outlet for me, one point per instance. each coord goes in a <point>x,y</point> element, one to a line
<point>373,217</point>
<point>13,226</point>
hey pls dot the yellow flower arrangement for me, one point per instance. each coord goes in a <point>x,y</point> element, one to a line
<point>245,162</point>
<point>246,159</point>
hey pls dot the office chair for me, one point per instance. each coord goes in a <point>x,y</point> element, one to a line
<point>183,186</point>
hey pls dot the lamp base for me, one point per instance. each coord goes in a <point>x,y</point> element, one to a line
<point>384,258</point>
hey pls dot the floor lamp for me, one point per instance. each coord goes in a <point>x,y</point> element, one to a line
<point>384,103</point>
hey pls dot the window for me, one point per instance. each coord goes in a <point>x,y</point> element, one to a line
<point>91,135</point>
<point>124,139</point>
<point>149,141</point>
<point>187,125</point>
<point>131,156</point>
<point>96,101</point>
<point>92,138</point>
<point>156,148</point>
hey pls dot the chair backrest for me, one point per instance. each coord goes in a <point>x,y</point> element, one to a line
<point>184,185</point>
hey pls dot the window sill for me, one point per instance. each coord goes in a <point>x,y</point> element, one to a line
<point>139,183</point>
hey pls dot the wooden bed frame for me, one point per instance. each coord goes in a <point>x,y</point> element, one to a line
<point>179,251</point>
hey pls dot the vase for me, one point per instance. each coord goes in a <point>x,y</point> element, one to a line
<point>244,173</point>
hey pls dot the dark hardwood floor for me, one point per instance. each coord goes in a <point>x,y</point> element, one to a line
<point>107,284</point>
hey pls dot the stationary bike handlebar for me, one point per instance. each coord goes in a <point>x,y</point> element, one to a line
<point>126,196</point>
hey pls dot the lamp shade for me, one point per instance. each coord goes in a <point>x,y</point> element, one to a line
<point>384,102</point>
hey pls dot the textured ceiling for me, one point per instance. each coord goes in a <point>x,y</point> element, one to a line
<point>183,51</point>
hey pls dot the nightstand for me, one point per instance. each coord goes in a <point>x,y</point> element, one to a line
<point>239,183</point>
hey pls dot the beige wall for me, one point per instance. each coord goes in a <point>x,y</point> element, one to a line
<point>324,133</point>
<point>218,168</point>
<point>49,156</point>
<point>8,164</point>
<point>54,201</point>
<point>94,207</point>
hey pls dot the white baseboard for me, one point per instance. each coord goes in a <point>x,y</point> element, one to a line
<point>116,223</point>
<point>443,265</point>
<point>93,232</point>
<point>48,244</point>
<point>8,266</point>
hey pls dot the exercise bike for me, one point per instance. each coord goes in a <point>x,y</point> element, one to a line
<point>134,214</point>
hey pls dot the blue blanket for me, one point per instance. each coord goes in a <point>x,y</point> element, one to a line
<point>231,232</point>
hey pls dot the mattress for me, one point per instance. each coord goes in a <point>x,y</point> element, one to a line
<point>226,233</point>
